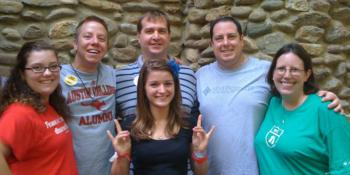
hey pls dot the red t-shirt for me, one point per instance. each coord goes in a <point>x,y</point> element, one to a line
<point>41,144</point>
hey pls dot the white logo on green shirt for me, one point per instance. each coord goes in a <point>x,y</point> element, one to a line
<point>273,136</point>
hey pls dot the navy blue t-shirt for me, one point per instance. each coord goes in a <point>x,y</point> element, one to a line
<point>159,157</point>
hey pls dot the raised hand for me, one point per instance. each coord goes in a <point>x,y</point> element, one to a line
<point>121,142</point>
<point>200,138</point>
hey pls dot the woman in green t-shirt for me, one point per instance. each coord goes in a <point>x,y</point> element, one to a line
<point>299,134</point>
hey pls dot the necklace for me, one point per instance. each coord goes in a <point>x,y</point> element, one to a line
<point>158,136</point>
<point>161,138</point>
<point>85,88</point>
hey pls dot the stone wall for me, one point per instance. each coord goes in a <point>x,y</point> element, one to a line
<point>321,26</point>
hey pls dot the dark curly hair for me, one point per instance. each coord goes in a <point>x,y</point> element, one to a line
<point>16,88</point>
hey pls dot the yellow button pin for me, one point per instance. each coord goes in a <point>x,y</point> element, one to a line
<point>71,80</point>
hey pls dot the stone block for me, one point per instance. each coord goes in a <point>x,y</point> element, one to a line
<point>310,34</point>
<point>313,49</point>
<point>62,29</point>
<point>10,6</point>
<point>258,29</point>
<point>298,5</point>
<point>11,34</point>
<point>60,13</point>
<point>241,11</point>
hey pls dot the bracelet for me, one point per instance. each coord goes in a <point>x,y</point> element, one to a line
<point>199,157</point>
<point>125,155</point>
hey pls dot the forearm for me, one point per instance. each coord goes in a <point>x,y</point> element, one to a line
<point>199,160</point>
<point>4,168</point>
<point>200,169</point>
<point>120,166</point>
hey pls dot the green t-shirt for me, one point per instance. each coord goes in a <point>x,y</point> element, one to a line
<point>308,140</point>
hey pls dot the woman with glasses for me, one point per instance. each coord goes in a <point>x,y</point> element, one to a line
<point>299,134</point>
<point>34,136</point>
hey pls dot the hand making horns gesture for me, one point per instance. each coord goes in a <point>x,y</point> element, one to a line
<point>200,138</point>
<point>121,142</point>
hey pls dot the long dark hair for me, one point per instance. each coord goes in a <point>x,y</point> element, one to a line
<point>16,88</point>
<point>310,85</point>
<point>144,123</point>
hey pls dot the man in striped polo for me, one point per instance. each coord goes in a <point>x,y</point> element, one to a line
<point>153,33</point>
<point>154,38</point>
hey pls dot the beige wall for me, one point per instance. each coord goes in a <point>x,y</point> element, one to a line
<point>321,26</point>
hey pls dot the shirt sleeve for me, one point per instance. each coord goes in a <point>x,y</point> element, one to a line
<point>336,129</point>
<point>17,130</point>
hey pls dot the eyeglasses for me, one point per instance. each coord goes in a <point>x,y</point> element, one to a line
<point>293,71</point>
<point>41,69</point>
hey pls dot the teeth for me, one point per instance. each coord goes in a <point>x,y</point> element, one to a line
<point>93,51</point>
<point>287,83</point>
<point>46,81</point>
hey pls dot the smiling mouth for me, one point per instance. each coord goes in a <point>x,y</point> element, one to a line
<point>156,46</point>
<point>227,51</point>
<point>93,51</point>
<point>284,83</point>
<point>46,81</point>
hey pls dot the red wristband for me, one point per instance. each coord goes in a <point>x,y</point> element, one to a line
<point>125,155</point>
<point>199,157</point>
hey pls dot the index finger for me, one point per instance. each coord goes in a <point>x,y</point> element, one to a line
<point>117,125</point>
<point>199,121</point>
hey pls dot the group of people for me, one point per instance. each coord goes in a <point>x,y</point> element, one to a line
<point>54,118</point>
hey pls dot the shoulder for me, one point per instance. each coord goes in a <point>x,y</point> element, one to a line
<point>20,108</point>
<point>259,62</point>
<point>330,121</point>
<point>186,73</point>
<point>316,102</point>
<point>326,116</point>
<point>186,69</point>
<point>107,69</point>
<point>19,112</point>
<point>275,100</point>
<point>129,68</point>
<point>66,68</point>
<point>204,69</point>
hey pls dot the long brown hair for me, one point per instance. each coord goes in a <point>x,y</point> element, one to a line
<point>143,125</point>
<point>16,88</point>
